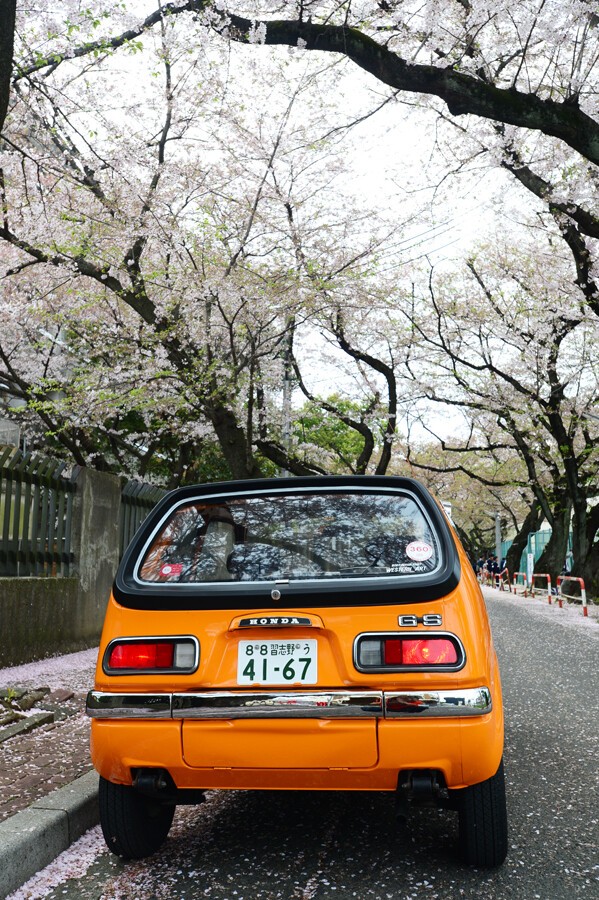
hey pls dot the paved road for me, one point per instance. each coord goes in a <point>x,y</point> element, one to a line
<point>261,846</point>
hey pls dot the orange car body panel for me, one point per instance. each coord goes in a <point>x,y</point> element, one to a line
<point>323,753</point>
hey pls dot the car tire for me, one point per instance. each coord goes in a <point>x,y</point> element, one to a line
<point>483,821</point>
<point>133,826</point>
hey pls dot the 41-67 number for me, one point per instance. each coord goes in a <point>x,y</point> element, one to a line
<point>289,670</point>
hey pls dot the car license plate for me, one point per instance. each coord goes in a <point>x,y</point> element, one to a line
<point>277,662</point>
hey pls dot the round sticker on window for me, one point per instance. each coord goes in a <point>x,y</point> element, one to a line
<point>171,569</point>
<point>419,551</point>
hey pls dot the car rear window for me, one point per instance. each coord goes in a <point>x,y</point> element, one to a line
<point>286,537</point>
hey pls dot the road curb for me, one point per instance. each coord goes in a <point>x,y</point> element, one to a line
<point>24,726</point>
<point>33,838</point>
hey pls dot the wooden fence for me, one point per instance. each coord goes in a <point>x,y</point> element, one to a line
<point>137,499</point>
<point>36,514</point>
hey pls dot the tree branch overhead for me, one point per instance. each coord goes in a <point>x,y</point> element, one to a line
<point>463,93</point>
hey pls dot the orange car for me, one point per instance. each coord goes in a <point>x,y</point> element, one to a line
<point>297,634</point>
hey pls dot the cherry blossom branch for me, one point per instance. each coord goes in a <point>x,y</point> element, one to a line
<point>587,222</point>
<point>113,43</point>
<point>361,427</point>
<point>464,94</point>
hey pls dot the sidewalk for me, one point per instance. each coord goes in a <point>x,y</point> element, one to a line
<point>570,615</point>
<point>34,763</point>
<point>47,787</point>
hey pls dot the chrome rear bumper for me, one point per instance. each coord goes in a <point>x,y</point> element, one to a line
<point>291,705</point>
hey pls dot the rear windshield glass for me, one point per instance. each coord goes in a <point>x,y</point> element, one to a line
<point>292,537</point>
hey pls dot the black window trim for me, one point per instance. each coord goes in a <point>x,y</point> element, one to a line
<point>131,592</point>
<point>281,491</point>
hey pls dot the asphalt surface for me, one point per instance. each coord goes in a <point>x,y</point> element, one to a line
<point>296,846</point>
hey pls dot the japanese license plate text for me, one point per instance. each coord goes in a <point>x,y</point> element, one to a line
<point>277,662</point>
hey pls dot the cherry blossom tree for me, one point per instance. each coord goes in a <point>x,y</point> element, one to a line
<point>531,67</point>
<point>358,336</point>
<point>529,72</point>
<point>519,353</point>
<point>162,246</point>
<point>169,266</point>
<point>479,484</point>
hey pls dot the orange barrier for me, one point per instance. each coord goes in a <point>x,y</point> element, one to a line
<point>534,590</point>
<point>583,593</point>
<point>504,578</point>
<point>495,579</point>
<point>524,585</point>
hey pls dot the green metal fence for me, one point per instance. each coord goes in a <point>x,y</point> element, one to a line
<point>36,513</point>
<point>537,541</point>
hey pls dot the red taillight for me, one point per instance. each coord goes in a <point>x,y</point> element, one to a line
<point>382,651</point>
<point>393,651</point>
<point>132,655</point>
<point>424,652</point>
<point>429,652</point>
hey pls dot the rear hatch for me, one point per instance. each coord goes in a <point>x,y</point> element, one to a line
<point>290,587</point>
<point>290,543</point>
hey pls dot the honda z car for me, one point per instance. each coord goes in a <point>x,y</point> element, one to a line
<point>318,634</point>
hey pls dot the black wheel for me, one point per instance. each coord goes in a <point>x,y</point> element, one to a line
<point>483,821</point>
<point>133,826</point>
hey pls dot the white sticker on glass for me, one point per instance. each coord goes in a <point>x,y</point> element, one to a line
<point>419,551</point>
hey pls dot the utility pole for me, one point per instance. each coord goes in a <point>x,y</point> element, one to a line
<point>498,537</point>
<point>287,386</point>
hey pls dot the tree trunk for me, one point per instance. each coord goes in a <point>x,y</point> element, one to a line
<point>530,523</point>
<point>7,34</point>
<point>588,569</point>
<point>581,538</point>
<point>468,544</point>
<point>233,443</point>
<point>590,574</point>
<point>551,561</point>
